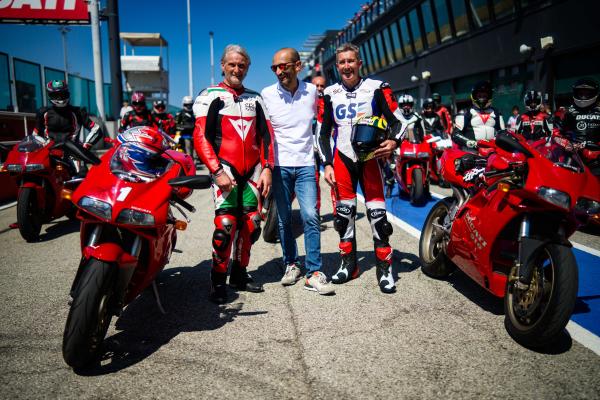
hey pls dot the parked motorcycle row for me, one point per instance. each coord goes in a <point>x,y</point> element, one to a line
<point>534,196</point>
<point>128,228</point>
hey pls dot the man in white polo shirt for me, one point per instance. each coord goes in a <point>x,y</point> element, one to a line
<point>292,107</point>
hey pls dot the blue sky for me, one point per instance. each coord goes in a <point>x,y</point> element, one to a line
<point>261,26</point>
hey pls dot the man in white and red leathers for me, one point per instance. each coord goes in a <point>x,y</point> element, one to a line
<point>234,139</point>
<point>342,106</point>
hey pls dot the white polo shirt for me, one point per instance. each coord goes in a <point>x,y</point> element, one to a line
<point>292,118</point>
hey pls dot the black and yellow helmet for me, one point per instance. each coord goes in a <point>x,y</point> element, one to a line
<point>367,134</point>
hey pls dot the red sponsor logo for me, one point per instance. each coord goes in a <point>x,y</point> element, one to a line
<point>44,11</point>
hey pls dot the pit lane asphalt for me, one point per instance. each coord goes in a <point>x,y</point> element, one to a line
<point>431,339</point>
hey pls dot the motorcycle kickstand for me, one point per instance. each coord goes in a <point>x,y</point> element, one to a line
<point>157,297</point>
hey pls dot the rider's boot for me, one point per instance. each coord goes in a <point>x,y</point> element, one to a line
<point>385,277</point>
<point>218,288</point>
<point>240,279</point>
<point>348,267</point>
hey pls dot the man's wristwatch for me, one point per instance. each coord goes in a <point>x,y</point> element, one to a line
<point>269,166</point>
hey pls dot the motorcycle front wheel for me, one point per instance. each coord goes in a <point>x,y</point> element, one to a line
<point>418,194</point>
<point>89,315</point>
<point>29,215</point>
<point>434,239</point>
<point>535,317</point>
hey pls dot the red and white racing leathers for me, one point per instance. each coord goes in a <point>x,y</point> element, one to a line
<point>534,125</point>
<point>339,110</point>
<point>233,132</point>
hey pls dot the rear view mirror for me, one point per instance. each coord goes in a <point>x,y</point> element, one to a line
<point>192,181</point>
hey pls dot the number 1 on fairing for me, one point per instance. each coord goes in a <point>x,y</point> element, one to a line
<point>123,193</point>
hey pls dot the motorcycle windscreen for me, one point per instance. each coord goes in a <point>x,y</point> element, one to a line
<point>31,143</point>
<point>134,162</point>
<point>559,155</point>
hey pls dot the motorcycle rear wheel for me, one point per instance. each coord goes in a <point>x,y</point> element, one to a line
<point>432,243</point>
<point>29,215</point>
<point>270,229</point>
<point>89,316</point>
<point>535,317</point>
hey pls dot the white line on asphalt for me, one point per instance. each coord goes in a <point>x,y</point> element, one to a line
<point>580,334</point>
<point>4,207</point>
<point>586,249</point>
<point>437,195</point>
<point>583,336</point>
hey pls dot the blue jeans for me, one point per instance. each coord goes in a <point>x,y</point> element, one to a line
<point>302,181</point>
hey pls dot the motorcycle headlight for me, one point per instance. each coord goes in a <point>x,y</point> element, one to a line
<point>423,154</point>
<point>96,207</point>
<point>14,167</point>
<point>587,206</point>
<point>408,154</point>
<point>134,217</point>
<point>34,167</point>
<point>556,197</point>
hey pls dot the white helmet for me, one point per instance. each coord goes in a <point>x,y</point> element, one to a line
<point>406,103</point>
<point>187,102</point>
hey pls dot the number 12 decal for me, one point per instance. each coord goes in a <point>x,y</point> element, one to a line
<point>123,193</point>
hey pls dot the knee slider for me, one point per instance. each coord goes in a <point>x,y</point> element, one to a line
<point>382,229</point>
<point>220,240</point>
<point>253,224</point>
<point>343,214</point>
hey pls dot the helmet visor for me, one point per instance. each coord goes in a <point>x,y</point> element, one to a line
<point>366,139</point>
<point>584,93</point>
<point>59,95</point>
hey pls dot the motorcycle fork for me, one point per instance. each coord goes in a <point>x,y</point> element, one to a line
<point>92,241</point>
<point>124,275</point>
<point>528,248</point>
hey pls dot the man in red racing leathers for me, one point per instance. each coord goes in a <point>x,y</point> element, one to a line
<point>344,106</point>
<point>139,116</point>
<point>443,112</point>
<point>534,124</point>
<point>233,137</point>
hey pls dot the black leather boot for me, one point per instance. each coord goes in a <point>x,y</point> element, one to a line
<point>218,289</point>
<point>240,279</point>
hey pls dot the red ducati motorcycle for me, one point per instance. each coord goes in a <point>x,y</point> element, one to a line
<point>438,145</point>
<point>412,170</point>
<point>128,232</point>
<point>509,230</point>
<point>42,171</point>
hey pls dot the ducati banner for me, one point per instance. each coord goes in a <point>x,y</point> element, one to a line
<point>44,12</point>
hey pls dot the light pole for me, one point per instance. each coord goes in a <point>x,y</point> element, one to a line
<point>64,30</point>
<point>189,27</point>
<point>212,59</point>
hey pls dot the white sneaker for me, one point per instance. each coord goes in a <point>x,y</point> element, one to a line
<point>318,283</point>
<point>292,274</point>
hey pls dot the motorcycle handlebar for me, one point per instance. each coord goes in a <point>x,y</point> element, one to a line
<point>183,204</point>
<point>78,151</point>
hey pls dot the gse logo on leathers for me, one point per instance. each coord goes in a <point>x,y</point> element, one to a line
<point>350,111</point>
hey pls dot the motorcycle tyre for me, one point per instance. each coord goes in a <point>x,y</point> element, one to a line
<point>560,307</point>
<point>85,329</point>
<point>29,216</point>
<point>440,267</point>
<point>270,229</point>
<point>418,194</point>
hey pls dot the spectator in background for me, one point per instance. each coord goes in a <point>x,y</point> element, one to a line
<point>184,123</point>
<point>125,109</point>
<point>139,116</point>
<point>443,112</point>
<point>292,105</point>
<point>512,120</point>
<point>320,83</point>
<point>163,119</point>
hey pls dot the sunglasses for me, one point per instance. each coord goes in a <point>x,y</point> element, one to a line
<point>282,66</point>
